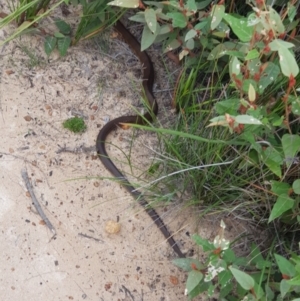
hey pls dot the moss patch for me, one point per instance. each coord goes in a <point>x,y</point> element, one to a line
<point>75,125</point>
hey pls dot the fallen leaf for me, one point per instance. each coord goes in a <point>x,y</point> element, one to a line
<point>27,118</point>
<point>174,280</point>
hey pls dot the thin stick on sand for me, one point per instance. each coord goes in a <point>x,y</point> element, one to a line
<point>36,203</point>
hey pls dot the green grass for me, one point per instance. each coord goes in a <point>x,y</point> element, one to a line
<point>209,167</point>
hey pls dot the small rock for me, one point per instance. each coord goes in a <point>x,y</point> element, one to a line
<point>112,227</point>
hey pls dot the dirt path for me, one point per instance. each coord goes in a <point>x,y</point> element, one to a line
<point>82,262</point>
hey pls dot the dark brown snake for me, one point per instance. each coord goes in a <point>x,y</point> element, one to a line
<point>147,83</point>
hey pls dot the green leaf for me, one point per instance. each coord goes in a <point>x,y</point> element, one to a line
<point>284,288</point>
<point>125,3</point>
<point>269,293</point>
<point>147,38</point>
<point>296,186</point>
<point>59,35</point>
<point>172,45</point>
<point>165,29</point>
<point>294,281</point>
<point>194,278</point>
<point>291,146</point>
<point>291,12</point>
<point>295,104</point>
<point>229,106</point>
<point>276,44</point>
<point>285,266</point>
<point>268,77</point>
<point>190,44</point>
<point>204,243</point>
<point>217,13</point>
<point>49,44</point>
<point>239,26</point>
<point>63,27</point>
<point>178,19</point>
<point>275,21</point>
<point>150,17</point>
<point>244,280</point>
<point>224,278</point>
<point>252,54</point>
<point>229,256</point>
<point>273,160</point>
<point>138,17</point>
<point>191,5</point>
<point>283,204</point>
<point>202,4</point>
<point>255,254</point>
<point>190,34</point>
<point>280,187</point>
<point>63,45</point>
<point>246,119</point>
<point>287,62</point>
<point>201,25</point>
<point>186,264</point>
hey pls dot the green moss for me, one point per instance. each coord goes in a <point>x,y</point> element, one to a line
<point>75,125</point>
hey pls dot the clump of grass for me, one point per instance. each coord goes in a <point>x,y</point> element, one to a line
<point>75,124</point>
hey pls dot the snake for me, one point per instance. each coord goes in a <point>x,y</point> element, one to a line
<point>147,85</point>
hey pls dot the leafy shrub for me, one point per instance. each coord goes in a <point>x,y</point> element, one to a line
<point>240,278</point>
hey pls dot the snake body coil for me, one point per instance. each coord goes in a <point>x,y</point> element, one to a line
<point>147,83</point>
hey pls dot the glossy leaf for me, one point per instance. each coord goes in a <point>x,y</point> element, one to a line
<point>276,44</point>
<point>235,66</point>
<point>190,34</point>
<point>246,119</point>
<point>194,278</point>
<point>287,62</point>
<point>239,26</point>
<point>244,280</point>
<point>190,44</point>
<point>217,13</point>
<point>283,204</point>
<point>150,18</point>
<point>285,266</point>
<point>148,38</point>
<point>275,21</point>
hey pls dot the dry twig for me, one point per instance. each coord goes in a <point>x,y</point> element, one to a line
<point>36,203</point>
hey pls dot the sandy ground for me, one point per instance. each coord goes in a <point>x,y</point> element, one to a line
<point>82,262</point>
